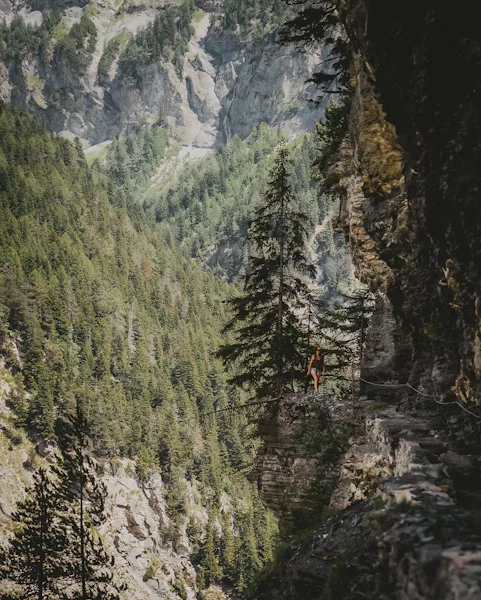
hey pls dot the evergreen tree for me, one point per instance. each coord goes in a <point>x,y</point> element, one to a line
<point>35,556</point>
<point>103,299</point>
<point>247,556</point>
<point>209,554</point>
<point>339,326</point>
<point>228,548</point>
<point>89,564</point>
<point>268,316</point>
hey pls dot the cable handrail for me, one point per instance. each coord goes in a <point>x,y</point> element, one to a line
<point>373,383</point>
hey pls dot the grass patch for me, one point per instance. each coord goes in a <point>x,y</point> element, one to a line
<point>377,405</point>
<point>119,17</point>
<point>123,37</point>
<point>99,153</point>
<point>35,82</point>
<point>91,11</point>
<point>198,16</point>
<point>60,31</point>
<point>36,86</point>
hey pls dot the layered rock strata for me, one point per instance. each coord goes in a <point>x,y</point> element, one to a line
<point>404,524</point>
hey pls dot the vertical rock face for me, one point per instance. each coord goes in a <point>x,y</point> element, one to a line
<point>410,185</point>
<point>406,520</point>
<point>285,474</point>
<point>375,217</point>
<point>264,82</point>
<point>290,466</point>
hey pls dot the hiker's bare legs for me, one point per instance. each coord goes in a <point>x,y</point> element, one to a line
<point>315,376</point>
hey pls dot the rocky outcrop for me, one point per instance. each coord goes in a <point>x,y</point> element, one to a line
<point>152,556</point>
<point>369,179</point>
<point>404,521</point>
<point>264,82</point>
<point>287,467</point>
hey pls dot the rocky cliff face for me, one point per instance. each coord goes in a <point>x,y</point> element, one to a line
<point>226,85</point>
<point>410,186</point>
<point>405,517</point>
<point>403,520</point>
<point>294,465</point>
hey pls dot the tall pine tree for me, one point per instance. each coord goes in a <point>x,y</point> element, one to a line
<point>35,557</point>
<point>268,317</point>
<point>89,564</point>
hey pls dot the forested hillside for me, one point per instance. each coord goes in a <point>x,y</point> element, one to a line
<point>209,205</point>
<point>114,275</point>
<point>99,306</point>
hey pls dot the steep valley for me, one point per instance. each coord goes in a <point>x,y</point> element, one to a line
<point>137,140</point>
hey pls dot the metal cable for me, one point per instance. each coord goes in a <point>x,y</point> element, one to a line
<point>388,385</point>
<point>422,394</point>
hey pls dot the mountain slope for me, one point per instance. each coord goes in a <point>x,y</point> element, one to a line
<point>99,307</point>
<point>92,69</point>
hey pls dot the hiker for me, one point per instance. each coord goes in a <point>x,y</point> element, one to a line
<point>316,367</point>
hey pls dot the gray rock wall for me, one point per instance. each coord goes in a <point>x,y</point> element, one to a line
<point>404,519</point>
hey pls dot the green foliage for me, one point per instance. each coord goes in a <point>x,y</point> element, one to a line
<point>247,13</point>
<point>19,40</point>
<point>268,316</point>
<point>78,46</point>
<point>209,554</point>
<point>378,405</point>
<point>236,546</point>
<point>35,556</point>
<point>103,302</point>
<point>84,494</point>
<point>106,306</point>
<point>132,160</point>
<point>210,205</point>
<point>108,55</point>
<point>151,571</point>
<point>111,51</point>
<point>339,324</point>
<point>146,463</point>
<point>330,135</point>
<point>55,546</point>
<point>166,38</point>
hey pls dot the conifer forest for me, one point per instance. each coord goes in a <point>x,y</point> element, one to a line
<point>240,315</point>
